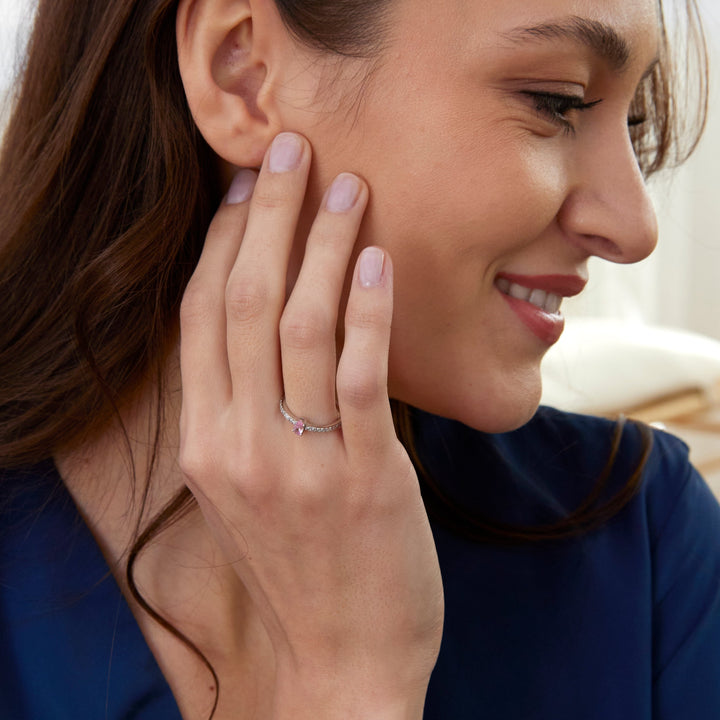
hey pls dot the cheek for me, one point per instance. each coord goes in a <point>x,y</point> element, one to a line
<point>449,232</point>
<point>490,197</point>
<point>515,188</point>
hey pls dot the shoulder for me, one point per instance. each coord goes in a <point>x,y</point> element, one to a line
<point>683,519</point>
<point>671,493</point>
<point>635,602</point>
<point>584,443</point>
<point>668,534</point>
<point>673,496</point>
<point>587,439</point>
<point>547,468</point>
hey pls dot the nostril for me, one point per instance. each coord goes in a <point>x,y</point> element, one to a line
<point>604,247</point>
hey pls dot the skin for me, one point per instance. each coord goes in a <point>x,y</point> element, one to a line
<point>452,115</point>
<point>574,195</point>
<point>309,576</point>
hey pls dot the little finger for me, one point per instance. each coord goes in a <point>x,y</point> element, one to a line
<point>363,368</point>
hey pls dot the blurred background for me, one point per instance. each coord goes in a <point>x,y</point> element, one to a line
<point>642,340</point>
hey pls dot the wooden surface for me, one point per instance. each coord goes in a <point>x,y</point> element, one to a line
<point>694,416</point>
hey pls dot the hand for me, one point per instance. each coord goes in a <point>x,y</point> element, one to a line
<point>327,531</point>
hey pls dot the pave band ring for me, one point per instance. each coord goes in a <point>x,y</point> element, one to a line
<point>300,426</point>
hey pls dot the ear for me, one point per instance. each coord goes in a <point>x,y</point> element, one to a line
<point>228,54</point>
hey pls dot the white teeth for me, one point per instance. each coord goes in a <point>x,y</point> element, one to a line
<point>552,306</point>
<point>547,302</point>
<point>519,292</point>
<point>538,298</point>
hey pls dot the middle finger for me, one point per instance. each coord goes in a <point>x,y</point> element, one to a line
<point>255,293</point>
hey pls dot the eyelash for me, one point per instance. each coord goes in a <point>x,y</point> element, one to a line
<point>556,106</point>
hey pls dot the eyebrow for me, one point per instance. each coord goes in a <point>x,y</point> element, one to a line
<point>602,39</point>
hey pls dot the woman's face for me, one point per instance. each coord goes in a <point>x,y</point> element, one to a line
<point>494,137</point>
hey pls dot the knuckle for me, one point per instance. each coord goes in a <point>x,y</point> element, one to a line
<point>195,461</point>
<point>247,474</point>
<point>245,300</point>
<point>358,389</point>
<point>253,479</point>
<point>207,467</point>
<point>306,332</point>
<point>311,496</point>
<point>267,199</point>
<point>367,318</point>
<point>197,305</point>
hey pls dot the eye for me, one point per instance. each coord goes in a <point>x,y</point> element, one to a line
<point>636,120</point>
<point>557,106</point>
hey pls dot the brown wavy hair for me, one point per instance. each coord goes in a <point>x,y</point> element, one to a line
<point>106,192</point>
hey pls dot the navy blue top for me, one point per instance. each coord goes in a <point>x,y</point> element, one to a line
<point>620,624</point>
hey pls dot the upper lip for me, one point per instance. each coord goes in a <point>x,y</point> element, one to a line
<point>562,285</point>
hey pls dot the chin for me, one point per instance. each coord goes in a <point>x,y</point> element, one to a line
<point>496,409</point>
<point>506,418</point>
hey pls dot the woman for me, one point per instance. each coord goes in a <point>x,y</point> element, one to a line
<point>231,458</point>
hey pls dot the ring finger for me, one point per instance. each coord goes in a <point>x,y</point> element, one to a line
<point>309,322</point>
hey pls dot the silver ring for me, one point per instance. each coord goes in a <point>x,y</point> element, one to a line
<point>300,425</point>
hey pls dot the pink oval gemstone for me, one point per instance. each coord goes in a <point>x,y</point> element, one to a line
<point>298,427</point>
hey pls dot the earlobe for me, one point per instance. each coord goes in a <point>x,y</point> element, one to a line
<point>225,68</point>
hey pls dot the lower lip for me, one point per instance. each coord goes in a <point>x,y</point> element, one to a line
<point>547,328</point>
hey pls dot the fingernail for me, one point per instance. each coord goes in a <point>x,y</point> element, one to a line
<point>371,267</point>
<point>285,153</point>
<point>241,187</point>
<point>343,193</point>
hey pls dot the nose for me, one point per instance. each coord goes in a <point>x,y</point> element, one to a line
<point>608,210</point>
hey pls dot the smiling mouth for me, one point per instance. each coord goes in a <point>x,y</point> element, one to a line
<point>545,301</point>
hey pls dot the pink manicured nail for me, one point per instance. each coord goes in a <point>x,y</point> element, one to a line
<point>372,260</point>
<point>241,188</point>
<point>285,153</point>
<point>343,193</point>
